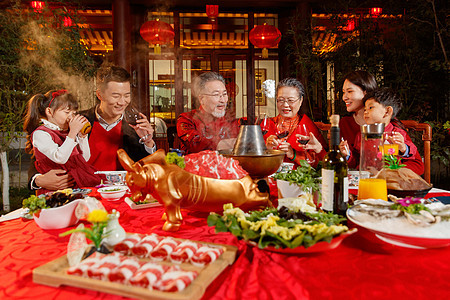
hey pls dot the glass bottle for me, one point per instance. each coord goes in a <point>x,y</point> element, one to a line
<point>371,158</point>
<point>334,174</point>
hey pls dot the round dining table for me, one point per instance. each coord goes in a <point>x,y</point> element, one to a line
<point>361,267</point>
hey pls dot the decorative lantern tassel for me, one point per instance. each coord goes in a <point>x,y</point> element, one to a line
<point>157,49</point>
<point>265,53</point>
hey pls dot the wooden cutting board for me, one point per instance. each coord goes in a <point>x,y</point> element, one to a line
<point>54,274</point>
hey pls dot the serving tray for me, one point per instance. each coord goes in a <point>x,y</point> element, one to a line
<point>141,206</point>
<point>54,274</point>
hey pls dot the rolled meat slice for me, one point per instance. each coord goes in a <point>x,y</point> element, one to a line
<point>164,249</point>
<point>175,280</point>
<point>148,275</point>
<point>127,244</point>
<point>90,262</point>
<point>125,271</point>
<point>146,245</point>
<point>184,251</point>
<point>206,255</point>
<point>106,265</point>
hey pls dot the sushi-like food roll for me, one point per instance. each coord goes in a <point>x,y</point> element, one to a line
<point>91,262</point>
<point>126,270</point>
<point>206,255</point>
<point>148,275</point>
<point>127,244</point>
<point>184,251</point>
<point>164,249</point>
<point>146,245</point>
<point>175,280</point>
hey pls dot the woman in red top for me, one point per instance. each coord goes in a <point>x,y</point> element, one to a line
<point>288,128</point>
<point>356,85</point>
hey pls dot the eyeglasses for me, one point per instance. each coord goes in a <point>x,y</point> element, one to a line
<point>289,101</point>
<point>218,95</point>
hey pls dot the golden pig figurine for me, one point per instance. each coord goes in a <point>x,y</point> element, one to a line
<point>174,188</point>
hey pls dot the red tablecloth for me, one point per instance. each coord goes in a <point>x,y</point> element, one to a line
<point>362,267</point>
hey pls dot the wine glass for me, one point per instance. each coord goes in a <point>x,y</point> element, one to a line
<point>281,134</point>
<point>132,115</point>
<point>303,130</point>
<point>264,124</point>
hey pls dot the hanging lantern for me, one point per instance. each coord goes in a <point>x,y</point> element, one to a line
<point>212,11</point>
<point>38,6</point>
<point>351,25</point>
<point>265,36</point>
<point>67,21</point>
<point>157,33</point>
<point>376,11</point>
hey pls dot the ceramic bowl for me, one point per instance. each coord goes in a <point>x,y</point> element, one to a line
<point>113,193</point>
<point>57,217</point>
<point>115,177</point>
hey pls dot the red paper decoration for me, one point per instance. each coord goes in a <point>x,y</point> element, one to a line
<point>158,33</point>
<point>265,36</point>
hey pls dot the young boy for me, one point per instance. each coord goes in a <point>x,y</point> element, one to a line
<point>382,106</point>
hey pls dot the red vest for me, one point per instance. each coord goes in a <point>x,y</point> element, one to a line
<point>104,145</point>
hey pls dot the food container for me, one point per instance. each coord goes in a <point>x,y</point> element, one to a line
<point>113,193</point>
<point>114,177</point>
<point>57,217</point>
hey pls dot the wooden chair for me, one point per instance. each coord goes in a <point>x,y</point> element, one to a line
<point>410,125</point>
<point>323,127</point>
<point>426,138</point>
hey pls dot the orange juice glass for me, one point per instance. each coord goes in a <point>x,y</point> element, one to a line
<point>372,188</point>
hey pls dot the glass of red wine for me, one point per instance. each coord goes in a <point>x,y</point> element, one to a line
<point>303,130</point>
<point>264,124</point>
<point>132,115</point>
<point>281,134</point>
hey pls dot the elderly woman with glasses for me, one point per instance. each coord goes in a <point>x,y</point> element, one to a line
<point>209,127</point>
<point>294,133</point>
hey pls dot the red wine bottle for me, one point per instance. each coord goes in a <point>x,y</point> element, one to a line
<point>334,174</point>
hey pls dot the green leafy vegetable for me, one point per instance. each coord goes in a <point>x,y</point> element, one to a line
<point>304,175</point>
<point>35,204</point>
<point>267,228</point>
<point>174,158</point>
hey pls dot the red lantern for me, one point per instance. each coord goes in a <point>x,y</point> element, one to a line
<point>158,33</point>
<point>38,6</point>
<point>212,11</point>
<point>265,36</point>
<point>351,25</point>
<point>375,11</point>
<point>67,21</point>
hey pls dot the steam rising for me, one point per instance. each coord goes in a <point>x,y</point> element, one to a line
<point>44,44</point>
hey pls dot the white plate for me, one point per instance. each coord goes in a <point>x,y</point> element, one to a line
<point>141,206</point>
<point>393,231</point>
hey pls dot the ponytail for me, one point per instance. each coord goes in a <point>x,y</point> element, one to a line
<point>35,111</point>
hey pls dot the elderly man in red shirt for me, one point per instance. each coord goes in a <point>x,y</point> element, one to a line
<point>209,127</point>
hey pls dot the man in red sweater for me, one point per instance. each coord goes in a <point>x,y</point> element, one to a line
<point>209,127</point>
<point>111,130</point>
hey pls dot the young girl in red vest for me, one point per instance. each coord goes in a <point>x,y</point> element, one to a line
<point>55,138</point>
